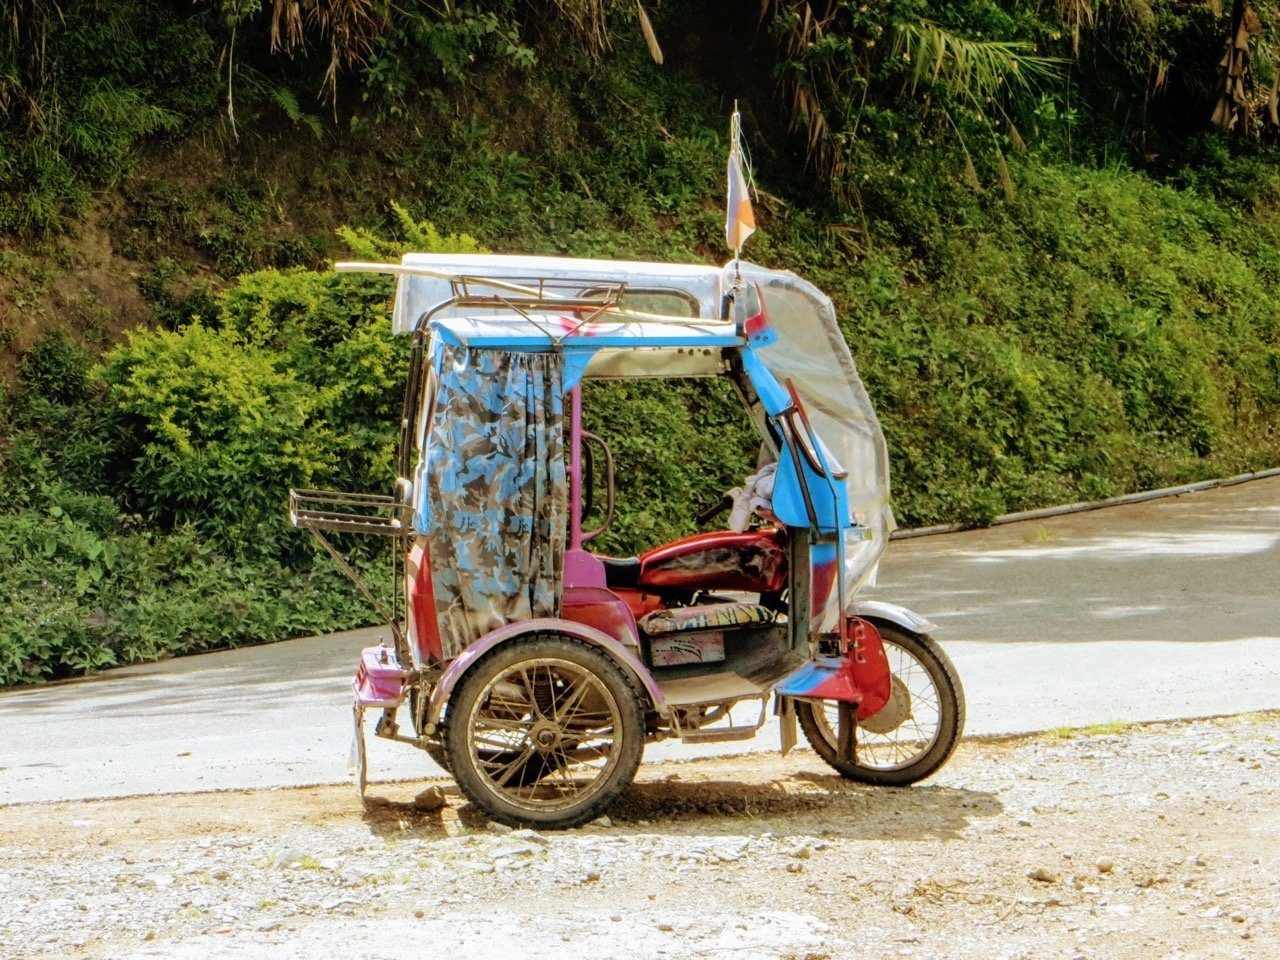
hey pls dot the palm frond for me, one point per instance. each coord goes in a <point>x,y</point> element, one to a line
<point>976,70</point>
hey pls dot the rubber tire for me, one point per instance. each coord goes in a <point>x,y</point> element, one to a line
<point>437,752</point>
<point>457,744</point>
<point>951,709</point>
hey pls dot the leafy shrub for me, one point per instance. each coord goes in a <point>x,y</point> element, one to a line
<point>82,588</point>
<point>218,431</point>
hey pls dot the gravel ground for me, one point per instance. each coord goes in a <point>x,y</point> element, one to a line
<point>1140,842</point>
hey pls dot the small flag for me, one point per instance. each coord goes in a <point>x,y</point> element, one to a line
<point>739,221</point>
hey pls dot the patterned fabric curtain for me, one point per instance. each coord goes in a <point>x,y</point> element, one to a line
<point>496,510</point>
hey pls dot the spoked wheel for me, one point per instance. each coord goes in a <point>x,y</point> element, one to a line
<point>544,731</point>
<point>913,734</point>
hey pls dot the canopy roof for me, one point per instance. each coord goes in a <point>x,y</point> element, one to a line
<point>811,350</point>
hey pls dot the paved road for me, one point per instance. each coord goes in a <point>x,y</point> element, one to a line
<point>1159,610</point>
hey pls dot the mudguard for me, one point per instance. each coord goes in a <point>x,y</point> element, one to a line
<point>891,613</point>
<point>513,631</point>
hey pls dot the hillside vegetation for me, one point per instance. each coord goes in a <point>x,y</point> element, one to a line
<point>1051,233</point>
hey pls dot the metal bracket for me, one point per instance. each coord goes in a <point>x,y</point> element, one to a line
<point>722,734</point>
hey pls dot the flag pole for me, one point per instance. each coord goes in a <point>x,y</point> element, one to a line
<point>735,135</point>
<point>739,220</point>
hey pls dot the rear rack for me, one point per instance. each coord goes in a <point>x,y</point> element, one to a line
<point>537,294</point>
<point>349,512</point>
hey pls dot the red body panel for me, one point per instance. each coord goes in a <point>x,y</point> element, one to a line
<point>754,561</point>
<point>639,602</point>
<point>868,665</point>
<point>424,630</point>
<point>859,676</point>
<point>602,609</point>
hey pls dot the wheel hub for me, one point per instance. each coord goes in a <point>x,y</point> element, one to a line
<point>545,736</point>
<point>894,713</point>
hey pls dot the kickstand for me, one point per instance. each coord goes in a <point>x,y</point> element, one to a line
<point>846,745</point>
<point>359,759</point>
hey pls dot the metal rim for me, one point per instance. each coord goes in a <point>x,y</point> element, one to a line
<point>545,734</point>
<point>914,693</point>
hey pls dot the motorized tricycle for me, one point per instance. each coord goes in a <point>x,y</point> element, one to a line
<point>534,670</point>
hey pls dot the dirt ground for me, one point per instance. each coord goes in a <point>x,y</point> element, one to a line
<point>1141,842</point>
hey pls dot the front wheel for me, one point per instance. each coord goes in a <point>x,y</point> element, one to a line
<point>913,734</point>
<point>544,731</point>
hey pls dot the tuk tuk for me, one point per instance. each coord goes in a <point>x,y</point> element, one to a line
<point>534,669</point>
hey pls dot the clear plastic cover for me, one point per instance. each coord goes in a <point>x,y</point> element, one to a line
<point>811,352</point>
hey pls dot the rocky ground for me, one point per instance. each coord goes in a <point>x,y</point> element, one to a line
<point>1153,841</point>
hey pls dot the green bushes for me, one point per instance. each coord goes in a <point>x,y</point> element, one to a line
<point>218,429</point>
<point>143,496</point>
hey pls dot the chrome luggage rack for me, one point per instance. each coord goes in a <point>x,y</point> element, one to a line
<point>318,511</point>
<point>536,293</point>
<point>340,512</point>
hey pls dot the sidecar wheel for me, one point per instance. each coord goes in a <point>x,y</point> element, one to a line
<point>544,731</point>
<point>913,734</point>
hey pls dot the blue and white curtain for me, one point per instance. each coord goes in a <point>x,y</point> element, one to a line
<point>496,507</point>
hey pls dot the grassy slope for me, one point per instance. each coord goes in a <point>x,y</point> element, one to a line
<point>1097,333</point>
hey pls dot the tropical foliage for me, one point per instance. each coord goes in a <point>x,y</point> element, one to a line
<point>1051,245</point>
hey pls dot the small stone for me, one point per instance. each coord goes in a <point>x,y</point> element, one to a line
<point>496,827</point>
<point>533,836</point>
<point>267,925</point>
<point>602,822</point>
<point>1043,875</point>
<point>592,876</point>
<point>428,800</point>
<point>666,927</point>
<point>795,868</point>
<point>419,913</point>
<point>1105,864</point>
<point>1024,822</point>
<point>149,935</point>
<point>1237,917</point>
<point>802,853</point>
<point>616,918</point>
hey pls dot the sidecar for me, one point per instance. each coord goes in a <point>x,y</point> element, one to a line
<point>536,670</point>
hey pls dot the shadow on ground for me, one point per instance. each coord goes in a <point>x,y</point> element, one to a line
<point>805,803</point>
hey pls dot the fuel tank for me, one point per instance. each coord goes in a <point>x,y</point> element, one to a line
<point>754,561</point>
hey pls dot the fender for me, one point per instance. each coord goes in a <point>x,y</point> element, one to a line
<point>512,631</point>
<point>898,616</point>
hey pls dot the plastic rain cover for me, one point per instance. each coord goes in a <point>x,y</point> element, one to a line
<point>811,351</point>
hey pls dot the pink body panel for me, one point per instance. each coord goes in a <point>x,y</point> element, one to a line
<point>379,680</point>
<point>625,656</point>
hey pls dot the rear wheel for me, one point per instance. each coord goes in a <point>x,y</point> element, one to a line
<point>913,734</point>
<point>544,731</point>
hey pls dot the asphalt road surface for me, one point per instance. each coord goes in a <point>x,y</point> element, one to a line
<point>1161,610</point>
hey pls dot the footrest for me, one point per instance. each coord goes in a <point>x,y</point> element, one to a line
<point>718,735</point>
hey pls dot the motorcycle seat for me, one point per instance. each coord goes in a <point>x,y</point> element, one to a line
<point>621,571</point>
